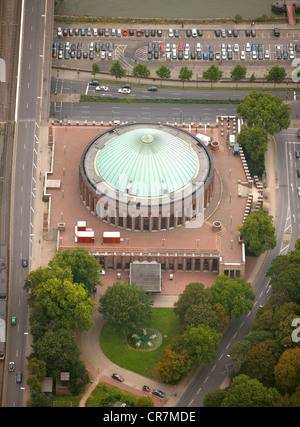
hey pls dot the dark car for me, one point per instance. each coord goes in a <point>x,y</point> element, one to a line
<point>149,55</point>
<point>253,33</point>
<point>188,33</point>
<point>180,54</point>
<point>158,393</point>
<point>159,33</point>
<point>147,33</point>
<point>217,33</point>
<point>153,33</point>
<point>24,262</point>
<point>152,89</point>
<point>297,154</point>
<point>276,32</point>
<point>131,32</point>
<point>278,54</point>
<point>117,377</point>
<point>94,83</point>
<point>200,33</point>
<point>235,33</point>
<point>18,377</point>
<point>247,33</point>
<point>100,31</point>
<point>176,33</point>
<point>298,133</point>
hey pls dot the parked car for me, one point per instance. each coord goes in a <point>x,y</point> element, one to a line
<point>176,33</point>
<point>102,88</point>
<point>125,32</point>
<point>276,32</point>
<point>188,33</point>
<point>139,33</point>
<point>217,33</point>
<point>117,377</point>
<point>298,191</point>
<point>243,55</point>
<point>146,388</point>
<point>59,32</point>
<point>171,32</point>
<point>297,152</point>
<point>267,54</point>
<point>194,32</point>
<point>298,133</point>
<point>160,393</point>
<point>235,33</point>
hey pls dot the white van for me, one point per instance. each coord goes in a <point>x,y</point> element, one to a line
<point>194,32</point>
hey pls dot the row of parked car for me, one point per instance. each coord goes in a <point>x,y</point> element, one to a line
<point>194,32</point>
<point>68,50</point>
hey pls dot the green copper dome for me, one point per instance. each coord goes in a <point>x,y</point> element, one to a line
<point>146,162</point>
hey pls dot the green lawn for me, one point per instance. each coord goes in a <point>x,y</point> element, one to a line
<point>114,344</point>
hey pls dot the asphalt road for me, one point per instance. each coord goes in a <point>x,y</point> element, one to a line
<point>23,193</point>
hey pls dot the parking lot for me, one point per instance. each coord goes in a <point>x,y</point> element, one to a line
<point>80,47</point>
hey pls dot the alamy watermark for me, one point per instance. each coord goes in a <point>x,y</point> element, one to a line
<point>296,332</point>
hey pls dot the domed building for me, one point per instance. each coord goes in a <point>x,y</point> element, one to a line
<point>146,177</point>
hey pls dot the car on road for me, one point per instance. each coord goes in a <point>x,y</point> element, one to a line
<point>152,89</point>
<point>94,83</point>
<point>124,90</point>
<point>11,366</point>
<point>160,393</point>
<point>146,388</point>
<point>18,377</point>
<point>117,377</point>
<point>298,191</point>
<point>102,88</point>
<point>13,320</point>
<point>24,262</point>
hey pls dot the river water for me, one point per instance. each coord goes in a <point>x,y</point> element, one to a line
<point>166,8</point>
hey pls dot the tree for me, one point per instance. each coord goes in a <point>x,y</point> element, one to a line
<point>254,140</point>
<point>185,74</point>
<point>287,371</point>
<point>84,266</point>
<point>194,294</point>
<point>236,296</point>
<point>258,233</point>
<point>248,392</point>
<point>163,72</point>
<point>126,306</point>
<point>95,69</point>
<point>67,302</point>
<point>238,73</point>
<point>117,70</point>
<point>202,343</point>
<point>58,349</point>
<point>213,74</point>
<point>265,110</point>
<point>173,366</point>
<point>260,362</point>
<point>276,75</point>
<point>140,70</point>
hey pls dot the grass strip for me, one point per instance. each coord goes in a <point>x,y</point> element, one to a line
<point>92,98</point>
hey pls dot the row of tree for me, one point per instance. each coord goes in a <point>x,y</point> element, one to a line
<point>265,365</point>
<point>213,74</point>
<point>203,312</point>
<point>59,297</point>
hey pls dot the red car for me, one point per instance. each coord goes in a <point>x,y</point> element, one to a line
<point>146,388</point>
<point>162,48</point>
<point>139,33</point>
<point>125,33</point>
<point>117,377</point>
<point>180,47</point>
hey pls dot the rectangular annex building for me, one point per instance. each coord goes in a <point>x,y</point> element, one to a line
<point>146,275</point>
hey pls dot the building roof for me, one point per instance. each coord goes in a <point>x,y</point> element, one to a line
<point>147,162</point>
<point>146,275</point>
